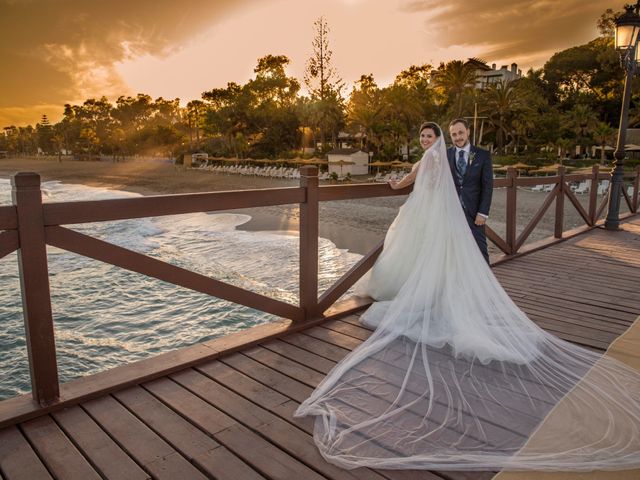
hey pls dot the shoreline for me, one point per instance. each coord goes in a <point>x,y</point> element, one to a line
<point>356,225</point>
<point>156,178</point>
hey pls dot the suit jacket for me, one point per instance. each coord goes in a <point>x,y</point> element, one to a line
<point>476,187</point>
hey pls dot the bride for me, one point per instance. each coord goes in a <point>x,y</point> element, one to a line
<point>455,376</point>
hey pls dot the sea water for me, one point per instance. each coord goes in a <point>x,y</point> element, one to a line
<point>106,316</point>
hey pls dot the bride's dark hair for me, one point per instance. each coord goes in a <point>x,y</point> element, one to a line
<point>431,126</point>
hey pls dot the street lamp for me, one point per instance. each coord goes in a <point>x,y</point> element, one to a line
<point>627,29</point>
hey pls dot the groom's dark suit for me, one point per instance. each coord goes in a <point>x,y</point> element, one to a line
<point>474,190</point>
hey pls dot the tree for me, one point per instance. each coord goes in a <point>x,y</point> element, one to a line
<point>587,74</point>
<point>607,23</point>
<point>324,85</point>
<point>44,132</point>
<point>365,108</point>
<point>272,111</point>
<point>227,116</point>
<point>502,104</point>
<point>581,121</point>
<point>406,103</point>
<point>456,79</point>
<point>195,114</point>
<point>603,133</point>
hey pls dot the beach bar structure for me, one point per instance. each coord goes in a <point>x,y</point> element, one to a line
<point>224,408</point>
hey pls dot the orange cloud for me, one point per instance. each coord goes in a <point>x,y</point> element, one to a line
<point>59,51</point>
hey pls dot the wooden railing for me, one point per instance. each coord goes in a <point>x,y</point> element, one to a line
<point>512,244</point>
<point>29,225</point>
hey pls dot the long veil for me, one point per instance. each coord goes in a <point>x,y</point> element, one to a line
<point>456,376</point>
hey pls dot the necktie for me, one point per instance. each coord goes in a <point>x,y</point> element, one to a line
<point>462,163</point>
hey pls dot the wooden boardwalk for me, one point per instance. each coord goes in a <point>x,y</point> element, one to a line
<point>231,418</point>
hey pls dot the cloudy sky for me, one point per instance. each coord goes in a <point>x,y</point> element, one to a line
<point>54,52</point>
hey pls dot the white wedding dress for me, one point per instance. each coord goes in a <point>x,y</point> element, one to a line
<point>456,376</point>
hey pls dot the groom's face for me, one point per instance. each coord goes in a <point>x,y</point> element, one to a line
<point>459,134</point>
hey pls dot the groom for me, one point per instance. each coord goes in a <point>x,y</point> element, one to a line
<point>472,172</point>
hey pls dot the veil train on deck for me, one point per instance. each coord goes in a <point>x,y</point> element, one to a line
<point>455,376</point>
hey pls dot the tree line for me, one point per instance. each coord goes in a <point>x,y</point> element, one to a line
<point>574,99</point>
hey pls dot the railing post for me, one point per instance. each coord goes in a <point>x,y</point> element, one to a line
<point>593,194</point>
<point>511,217</point>
<point>309,220</point>
<point>560,205</point>
<point>636,187</point>
<point>34,282</point>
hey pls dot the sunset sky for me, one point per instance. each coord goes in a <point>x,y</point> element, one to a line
<point>54,52</point>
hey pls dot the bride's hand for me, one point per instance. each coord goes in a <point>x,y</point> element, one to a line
<point>393,184</point>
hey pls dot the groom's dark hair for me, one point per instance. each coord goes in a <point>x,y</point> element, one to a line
<point>459,120</point>
<point>431,126</point>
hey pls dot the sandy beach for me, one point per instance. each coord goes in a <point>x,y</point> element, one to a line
<point>356,225</point>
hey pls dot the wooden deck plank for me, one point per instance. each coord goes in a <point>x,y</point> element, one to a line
<point>18,461</point>
<point>103,453</point>
<point>575,333</point>
<point>57,452</point>
<point>149,450</point>
<point>573,290</point>
<point>191,442</point>
<point>257,373</point>
<point>278,431</point>
<point>234,415</point>
<point>250,389</point>
<point>300,355</point>
<point>257,452</point>
<point>278,381</point>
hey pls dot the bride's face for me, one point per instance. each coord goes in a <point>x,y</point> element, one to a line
<point>427,138</point>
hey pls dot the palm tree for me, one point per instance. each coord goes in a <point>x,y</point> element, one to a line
<point>501,104</point>
<point>582,121</point>
<point>603,132</point>
<point>455,79</point>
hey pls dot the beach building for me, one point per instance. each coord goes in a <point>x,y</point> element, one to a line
<point>348,160</point>
<point>488,75</point>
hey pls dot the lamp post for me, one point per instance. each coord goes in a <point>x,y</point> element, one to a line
<point>627,28</point>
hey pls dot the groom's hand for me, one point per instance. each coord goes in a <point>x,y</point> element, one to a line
<point>480,220</point>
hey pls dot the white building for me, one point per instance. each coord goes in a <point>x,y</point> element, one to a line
<point>348,160</point>
<point>488,75</point>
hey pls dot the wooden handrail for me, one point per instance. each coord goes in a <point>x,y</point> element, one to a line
<point>333,293</point>
<point>559,224</point>
<point>578,206</point>
<point>309,226</point>
<point>8,242</point>
<point>636,189</point>
<point>8,218</point>
<point>136,262</point>
<point>511,217</point>
<point>28,225</point>
<point>155,206</point>
<point>34,279</point>
<point>366,190</point>
<point>497,241</point>
<point>536,218</point>
<point>593,195</point>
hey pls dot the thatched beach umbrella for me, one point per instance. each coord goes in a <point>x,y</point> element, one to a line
<point>342,163</point>
<point>552,168</point>
<point>522,166</point>
<point>379,164</point>
<point>316,161</point>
